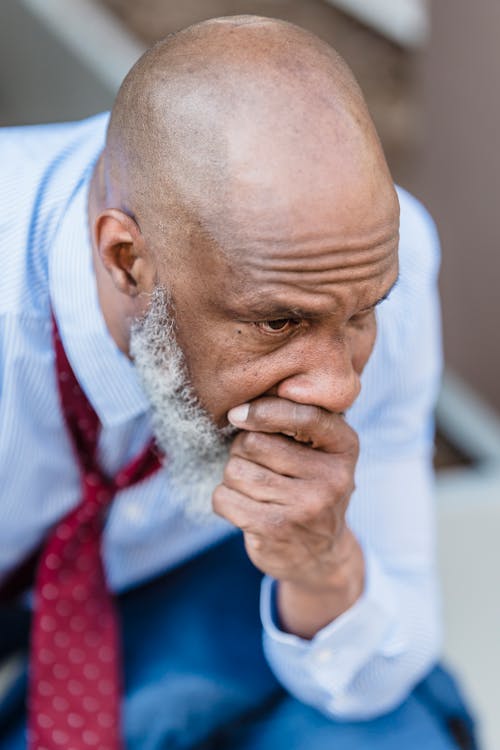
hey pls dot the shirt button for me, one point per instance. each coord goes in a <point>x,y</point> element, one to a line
<point>323,655</point>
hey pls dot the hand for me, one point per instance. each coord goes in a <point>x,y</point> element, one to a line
<point>287,485</point>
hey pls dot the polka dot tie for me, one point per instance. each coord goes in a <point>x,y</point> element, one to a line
<point>75,683</point>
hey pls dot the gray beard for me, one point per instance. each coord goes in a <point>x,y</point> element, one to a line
<point>196,450</point>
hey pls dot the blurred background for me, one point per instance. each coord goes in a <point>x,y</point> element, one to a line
<point>430,72</point>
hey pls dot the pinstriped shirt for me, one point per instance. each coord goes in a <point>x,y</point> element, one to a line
<point>369,658</point>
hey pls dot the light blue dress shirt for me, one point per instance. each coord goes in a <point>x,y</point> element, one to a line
<point>367,660</point>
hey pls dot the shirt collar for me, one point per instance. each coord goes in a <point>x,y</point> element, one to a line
<point>106,375</point>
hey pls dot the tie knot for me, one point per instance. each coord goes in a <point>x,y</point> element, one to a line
<point>98,488</point>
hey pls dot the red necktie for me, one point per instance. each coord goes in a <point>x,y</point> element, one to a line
<point>75,681</point>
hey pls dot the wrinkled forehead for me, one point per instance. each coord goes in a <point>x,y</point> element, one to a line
<point>283,200</point>
<point>314,243</point>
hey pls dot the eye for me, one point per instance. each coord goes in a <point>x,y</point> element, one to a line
<point>280,325</point>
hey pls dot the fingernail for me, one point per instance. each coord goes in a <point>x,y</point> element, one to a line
<point>239,414</point>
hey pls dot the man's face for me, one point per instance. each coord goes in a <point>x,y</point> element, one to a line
<point>280,299</point>
<point>274,297</point>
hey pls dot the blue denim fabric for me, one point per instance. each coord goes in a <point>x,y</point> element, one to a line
<point>190,683</point>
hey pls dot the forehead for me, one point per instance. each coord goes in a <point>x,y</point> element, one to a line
<point>313,245</point>
<point>302,221</point>
<point>278,271</point>
<point>314,281</point>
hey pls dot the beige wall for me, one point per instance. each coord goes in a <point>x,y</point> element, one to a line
<point>458,177</point>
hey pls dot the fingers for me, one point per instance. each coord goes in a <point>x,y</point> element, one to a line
<point>303,422</point>
<point>256,481</point>
<point>304,500</point>
<point>289,496</point>
<point>279,454</point>
<point>279,522</point>
<point>250,515</point>
<point>269,467</point>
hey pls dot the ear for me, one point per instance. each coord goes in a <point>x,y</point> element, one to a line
<point>122,250</point>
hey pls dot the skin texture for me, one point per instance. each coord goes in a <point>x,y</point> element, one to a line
<point>243,173</point>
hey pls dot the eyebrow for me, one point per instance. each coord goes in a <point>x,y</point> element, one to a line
<point>383,297</point>
<point>271,310</point>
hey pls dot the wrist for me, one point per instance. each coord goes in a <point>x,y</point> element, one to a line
<point>306,608</point>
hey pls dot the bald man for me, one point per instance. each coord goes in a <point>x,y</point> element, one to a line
<point>205,269</point>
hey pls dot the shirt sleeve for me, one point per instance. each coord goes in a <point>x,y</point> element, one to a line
<point>368,660</point>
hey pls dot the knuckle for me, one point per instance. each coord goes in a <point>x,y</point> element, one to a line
<point>313,424</point>
<point>277,519</point>
<point>322,499</point>
<point>319,418</point>
<point>240,472</point>
<point>317,502</point>
<point>233,471</point>
<point>355,445</point>
<point>250,442</point>
<point>254,542</point>
<point>304,414</point>
<point>263,477</point>
<point>343,479</point>
<point>305,418</point>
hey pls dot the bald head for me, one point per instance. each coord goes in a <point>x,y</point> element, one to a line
<point>244,189</point>
<point>221,107</point>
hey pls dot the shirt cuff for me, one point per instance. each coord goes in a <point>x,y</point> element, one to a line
<point>332,658</point>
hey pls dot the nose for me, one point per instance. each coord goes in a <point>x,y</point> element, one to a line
<point>327,379</point>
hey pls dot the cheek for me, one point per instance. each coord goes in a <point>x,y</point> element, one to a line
<point>233,384</point>
<point>223,375</point>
